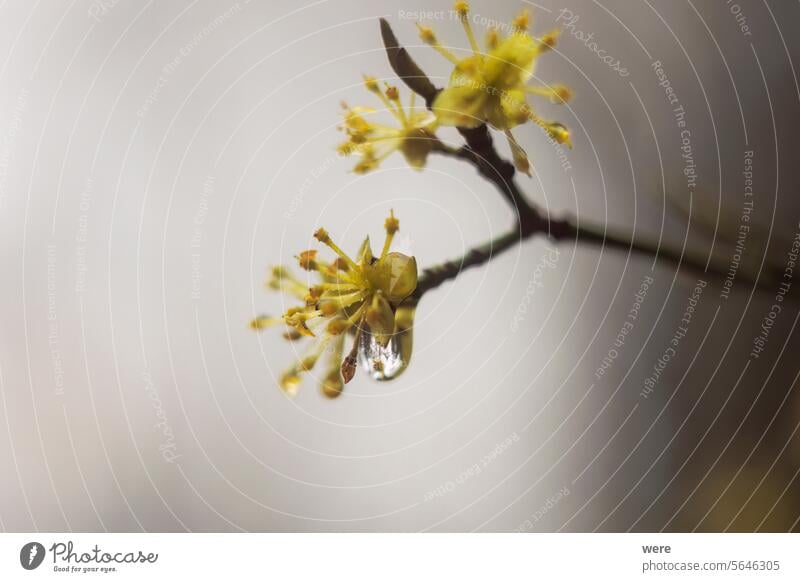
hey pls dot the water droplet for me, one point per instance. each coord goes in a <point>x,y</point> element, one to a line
<point>381,363</point>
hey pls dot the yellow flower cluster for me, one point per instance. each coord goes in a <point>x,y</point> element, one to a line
<point>374,142</point>
<point>361,298</point>
<point>491,87</point>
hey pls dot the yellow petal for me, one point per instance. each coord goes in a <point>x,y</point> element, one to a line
<point>395,275</point>
<point>263,322</point>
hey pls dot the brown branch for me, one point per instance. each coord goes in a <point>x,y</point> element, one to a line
<point>480,152</point>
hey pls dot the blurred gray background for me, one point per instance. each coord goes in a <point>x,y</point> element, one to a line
<point>158,157</point>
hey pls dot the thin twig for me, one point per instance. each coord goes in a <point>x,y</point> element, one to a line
<point>480,152</point>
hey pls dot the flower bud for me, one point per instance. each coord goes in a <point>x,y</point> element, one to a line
<point>349,367</point>
<point>395,275</point>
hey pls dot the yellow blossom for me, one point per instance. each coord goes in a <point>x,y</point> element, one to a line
<point>414,136</point>
<point>358,297</point>
<point>491,87</point>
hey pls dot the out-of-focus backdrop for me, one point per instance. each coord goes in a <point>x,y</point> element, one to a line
<point>156,158</point>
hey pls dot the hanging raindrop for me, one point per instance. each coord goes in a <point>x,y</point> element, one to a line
<point>381,363</point>
<point>387,363</point>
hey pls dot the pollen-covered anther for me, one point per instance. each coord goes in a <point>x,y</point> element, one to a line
<point>561,94</point>
<point>322,235</point>
<point>549,40</point>
<point>337,327</point>
<point>559,133</point>
<point>522,21</point>
<point>392,93</point>
<point>308,260</point>
<point>392,225</point>
<point>289,382</point>
<point>371,83</point>
<point>263,322</point>
<point>461,8</point>
<point>426,34</point>
<point>332,386</point>
<point>329,309</point>
<point>296,318</point>
<point>315,292</point>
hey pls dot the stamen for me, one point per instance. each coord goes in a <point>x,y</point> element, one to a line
<point>282,280</point>
<point>556,93</point>
<point>308,260</point>
<point>558,132</point>
<point>333,384</point>
<point>492,38</point>
<point>548,40</point>
<point>392,225</point>
<point>522,21</point>
<point>263,322</point>
<point>322,236</point>
<point>388,104</point>
<point>340,302</point>
<point>394,98</point>
<point>428,37</point>
<point>371,83</point>
<point>462,8</point>
<point>339,286</point>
